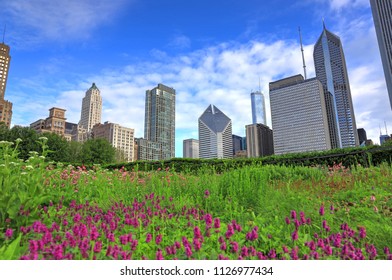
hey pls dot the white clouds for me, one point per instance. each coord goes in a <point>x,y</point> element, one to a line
<point>59,20</point>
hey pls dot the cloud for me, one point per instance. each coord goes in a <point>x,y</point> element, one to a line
<point>38,20</point>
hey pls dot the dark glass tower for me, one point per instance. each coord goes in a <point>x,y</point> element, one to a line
<point>159,122</point>
<point>382,17</point>
<point>331,70</point>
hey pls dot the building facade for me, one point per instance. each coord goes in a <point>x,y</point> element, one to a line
<point>121,138</point>
<point>258,108</point>
<point>331,70</point>
<point>5,106</point>
<point>299,116</point>
<point>238,144</point>
<point>91,112</point>
<point>159,121</point>
<point>260,142</point>
<point>148,150</point>
<point>362,137</point>
<point>55,123</point>
<point>215,134</point>
<point>190,148</point>
<point>382,17</point>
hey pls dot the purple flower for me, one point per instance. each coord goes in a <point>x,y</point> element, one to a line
<point>158,239</point>
<point>293,214</point>
<point>188,251</point>
<point>234,247</point>
<point>8,233</point>
<point>229,232</point>
<point>362,232</point>
<point>287,220</point>
<point>223,246</point>
<point>159,255</point>
<point>148,237</point>
<point>322,211</point>
<point>206,193</point>
<point>294,235</point>
<point>244,251</point>
<point>98,247</point>
<point>208,220</point>
<point>216,223</point>
<point>196,232</point>
<point>196,244</point>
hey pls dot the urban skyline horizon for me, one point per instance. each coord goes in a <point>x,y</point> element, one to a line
<point>220,72</point>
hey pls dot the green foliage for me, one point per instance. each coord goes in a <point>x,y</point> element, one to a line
<point>97,151</point>
<point>348,157</point>
<point>21,184</point>
<point>59,147</point>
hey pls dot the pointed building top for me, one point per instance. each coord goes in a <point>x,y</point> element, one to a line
<point>324,24</point>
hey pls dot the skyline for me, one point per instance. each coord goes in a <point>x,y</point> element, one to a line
<point>212,54</point>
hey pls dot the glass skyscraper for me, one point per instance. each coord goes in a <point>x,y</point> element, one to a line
<point>159,123</point>
<point>331,70</point>
<point>382,17</point>
<point>258,108</point>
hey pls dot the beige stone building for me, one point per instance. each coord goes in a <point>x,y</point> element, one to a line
<point>91,108</point>
<point>121,138</point>
<point>5,106</point>
<point>54,123</point>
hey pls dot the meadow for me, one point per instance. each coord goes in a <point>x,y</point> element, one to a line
<point>50,211</point>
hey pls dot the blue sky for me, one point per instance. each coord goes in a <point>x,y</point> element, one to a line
<point>211,52</point>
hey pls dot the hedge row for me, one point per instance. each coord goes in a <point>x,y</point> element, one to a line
<point>367,156</point>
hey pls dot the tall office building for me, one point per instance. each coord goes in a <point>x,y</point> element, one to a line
<point>382,17</point>
<point>91,108</point>
<point>190,148</point>
<point>331,70</point>
<point>159,122</point>
<point>215,134</point>
<point>121,138</point>
<point>258,108</point>
<point>260,142</point>
<point>5,106</point>
<point>299,116</point>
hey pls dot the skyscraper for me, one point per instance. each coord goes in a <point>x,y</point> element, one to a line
<point>259,139</point>
<point>159,122</point>
<point>91,108</point>
<point>331,70</point>
<point>299,116</point>
<point>258,108</point>
<point>382,17</point>
<point>215,134</point>
<point>5,106</point>
<point>190,148</point>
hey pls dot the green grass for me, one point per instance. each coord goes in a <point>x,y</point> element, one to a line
<point>252,196</point>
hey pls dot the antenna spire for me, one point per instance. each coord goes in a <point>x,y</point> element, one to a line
<point>386,130</point>
<point>259,85</point>
<point>302,50</point>
<point>323,23</point>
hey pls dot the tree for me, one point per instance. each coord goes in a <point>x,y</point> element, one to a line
<point>58,147</point>
<point>29,140</point>
<point>97,151</point>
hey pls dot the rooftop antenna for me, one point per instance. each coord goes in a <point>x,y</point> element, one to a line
<point>259,85</point>
<point>386,130</point>
<point>323,23</point>
<point>302,50</point>
<point>5,25</point>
